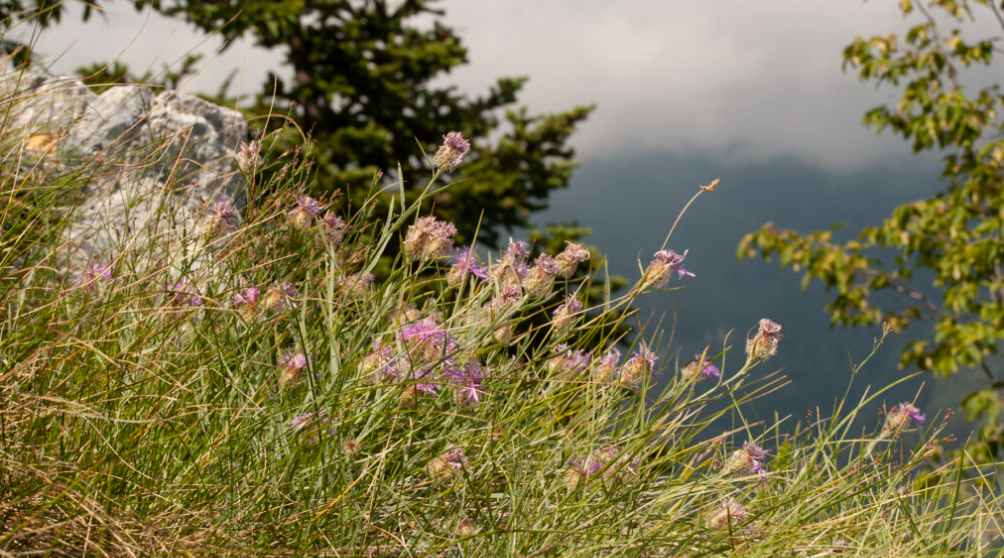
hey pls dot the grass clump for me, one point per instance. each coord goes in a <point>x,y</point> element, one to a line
<point>266,394</point>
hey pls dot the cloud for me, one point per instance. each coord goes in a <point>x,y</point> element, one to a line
<point>750,80</point>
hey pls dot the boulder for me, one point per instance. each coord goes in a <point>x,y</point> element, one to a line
<point>153,163</point>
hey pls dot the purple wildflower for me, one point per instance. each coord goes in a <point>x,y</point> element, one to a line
<point>902,414</point>
<point>572,305</point>
<point>566,314</point>
<point>467,379</point>
<point>248,154</point>
<point>291,368</point>
<point>510,294</point>
<point>611,358</point>
<point>547,264</point>
<point>247,296</point>
<point>639,366</point>
<point>750,459</point>
<point>293,361</point>
<point>451,153</point>
<point>426,328</point>
<point>516,253</point>
<point>279,296</point>
<point>663,266</point>
<point>568,361</point>
<point>429,238</point>
<point>334,226</point>
<point>86,280</point>
<point>518,250</point>
<point>427,341</point>
<point>607,365</point>
<point>313,423</point>
<point>758,456</point>
<point>591,467</point>
<point>446,465</point>
<point>540,277</point>
<point>699,369</point>
<point>178,294</point>
<point>569,259</point>
<point>423,380</point>
<point>730,513</point>
<point>674,261</point>
<point>468,262</point>
<point>311,206</point>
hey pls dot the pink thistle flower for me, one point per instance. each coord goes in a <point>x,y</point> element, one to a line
<point>540,277</point>
<point>468,379</point>
<point>249,154</point>
<point>248,296</point>
<point>449,155</point>
<point>178,294</point>
<point>518,250</point>
<point>568,362</point>
<point>639,366</point>
<point>429,238</point>
<point>309,205</point>
<point>901,415</point>
<point>87,280</point>
<point>607,365</point>
<point>699,369</point>
<point>279,296</point>
<point>446,465</point>
<point>223,218</point>
<point>465,261</point>
<point>427,341</point>
<point>663,266</point>
<point>334,226</point>
<point>730,514</point>
<point>750,459</point>
<point>567,313</point>
<point>302,218</point>
<point>569,259</point>
<point>509,294</point>
<point>291,368</point>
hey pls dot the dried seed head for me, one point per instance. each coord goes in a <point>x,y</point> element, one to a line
<point>449,155</point>
<point>569,259</point>
<point>763,345</point>
<point>728,515</point>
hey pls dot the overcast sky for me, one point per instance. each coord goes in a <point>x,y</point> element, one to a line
<point>749,80</point>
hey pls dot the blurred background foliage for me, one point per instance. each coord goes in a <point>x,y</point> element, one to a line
<point>940,258</point>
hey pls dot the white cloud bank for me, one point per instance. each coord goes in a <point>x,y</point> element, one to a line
<point>750,80</point>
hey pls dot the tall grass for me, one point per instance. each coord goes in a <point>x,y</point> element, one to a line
<point>265,397</point>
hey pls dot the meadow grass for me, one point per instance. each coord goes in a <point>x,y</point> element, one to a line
<point>264,394</point>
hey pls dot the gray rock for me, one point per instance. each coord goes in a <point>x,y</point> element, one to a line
<point>156,164</point>
<point>114,122</point>
<point>40,103</point>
